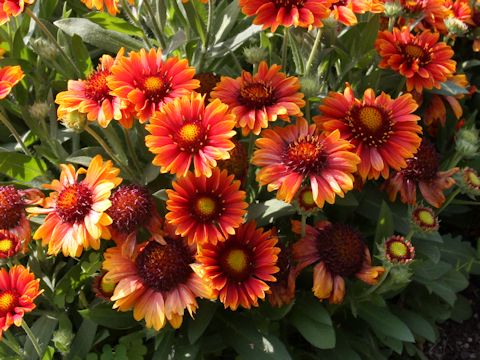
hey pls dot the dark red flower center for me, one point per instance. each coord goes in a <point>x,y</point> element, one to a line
<point>370,124</point>
<point>74,203</point>
<point>237,164</point>
<point>191,136</point>
<point>289,4</point>
<point>415,53</point>
<point>284,263</point>
<point>164,267</point>
<point>208,81</point>
<point>96,87</point>
<point>257,95</point>
<point>236,262</point>
<point>8,302</point>
<point>424,165</point>
<point>207,208</point>
<point>131,208</point>
<point>341,248</point>
<point>11,207</point>
<point>156,88</point>
<point>305,155</point>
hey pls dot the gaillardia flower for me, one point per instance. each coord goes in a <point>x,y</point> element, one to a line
<point>10,244</point>
<point>12,8</point>
<point>185,131</point>
<point>237,164</point>
<point>92,97</point>
<point>431,12</point>
<point>156,280</point>
<point>338,251</point>
<point>424,219</point>
<point>469,182</point>
<point>273,13</point>
<point>257,99</point>
<point>344,10</point>
<point>132,208</point>
<point>111,5</point>
<point>13,222</point>
<point>422,169</point>
<point>18,291</point>
<point>9,77</point>
<point>383,130</point>
<point>206,210</point>
<point>76,217</point>
<point>239,268</point>
<point>399,250</point>
<point>421,59</point>
<point>146,81</point>
<point>293,154</point>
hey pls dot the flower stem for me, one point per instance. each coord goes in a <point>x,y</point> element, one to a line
<point>137,23</point>
<point>307,110</point>
<point>32,338</point>
<point>211,7</point>
<point>450,198</point>
<point>53,40</point>
<point>315,46</point>
<point>156,29</point>
<point>4,120</point>
<point>110,152</point>
<point>285,49</point>
<point>131,149</point>
<point>12,344</point>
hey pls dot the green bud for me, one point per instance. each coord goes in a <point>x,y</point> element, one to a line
<point>467,142</point>
<point>39,110</point>
<point>75,121</point>
<point>254,55</point>
<point>393,8</point>
<point>45,49</point>
<point>310,86</point>
<point>455,26</point>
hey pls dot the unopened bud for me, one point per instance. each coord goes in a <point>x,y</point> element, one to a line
<point>424,219</point>
<point>469,182</point>
<point>467,141</point>
<point>39,110</point>
<point>455,26</point>
<point>75,121</point>
<point>310,86</point>
<point>392,8</point>
<point>254,55</point>
<point>45,49</point>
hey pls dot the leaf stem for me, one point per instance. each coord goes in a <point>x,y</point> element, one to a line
<point>450,198</point>
<point>32,338</point>
<point>53,40</point>
<point>315,46</point>
<point>4,120</point>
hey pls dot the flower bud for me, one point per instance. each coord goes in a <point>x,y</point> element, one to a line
<point>62,339</point>
<point>254,55</point>
<point>469,182</point>
<point>103,289</point>
<point>398,250</point>
<point>310,86</point>
<point>39,110</point>
<point>424,219</point>
<point>45,49</point>
<point>467,141</point>
<point>304,201</point>
<point>75,121</point>
<point>392,8</point>
<point>455,26</point>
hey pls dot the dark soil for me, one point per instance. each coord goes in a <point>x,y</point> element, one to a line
<point>459,341</point>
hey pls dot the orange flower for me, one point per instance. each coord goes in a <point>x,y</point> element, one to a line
<point>238,268</point>
<point>383,130</point>
<point>338,252</point>
<point>132,208</point>
<point>344,10</point>
<point>282,291</point>
<point>18,291</point>
<point>111,5</point>
<point>144,80</point>
<point>76,217</point>
<point>9,77</point>
<point>432,12</point>
<point>92,97</point>
<point>206,210</point>
<point>156,280</point>
<point>237,164</point>
<point>288,156</point>
<point>12,8</point>
<point>422,169</point>
<point>257,99</point>
<point>13,223</point>
<point>424,61</point>
<point>461,10</point>
<point>273,13</point>
<point>186,131</point>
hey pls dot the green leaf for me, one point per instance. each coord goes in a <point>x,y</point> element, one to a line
<point>442,290</point>
<point>21,167</point>
<point>95,35</point>
<point>314,323</point>
<point>449,88</point>
<point>233,43</point>
<point>43,330</point>
<point>264,213</point>
<point>104,315</point>
<point>462,309</point>
<point>385,225</point>
<point>82,57</point>
<point>383,321</point>
<point>203,316</point>
<point>250,343</point>
<point>83,341</point>
<point>428,270</point>
<point>109,22</point>
<point>417,324</point>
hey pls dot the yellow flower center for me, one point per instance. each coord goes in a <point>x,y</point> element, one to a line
<point>426,217</point>
<point>206,206</point>
<point>414,51</point>
<point>371,118</point>
<point>107,287</point>
<point>6,245</point>
<point>237,260</point>
<point>153,83</point>
<point>7,302</point>
<point>398,249</point>
<point>473,179</point>
<point>307,197</point>
<point>189,132</point>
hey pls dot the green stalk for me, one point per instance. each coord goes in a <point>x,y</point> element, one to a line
<point>4,120</point>
<point>131,150</point>
<point>156,29</point>
<point>136,22</point>
<point>32,338</point>
<point>450,198</point>
<point>307,110</point>
<point>12,344</point>
<point>315,46</point>
<point>211,8</point>
<point>53,40</point>
<point>110,152</point>
<point>285,49</point>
